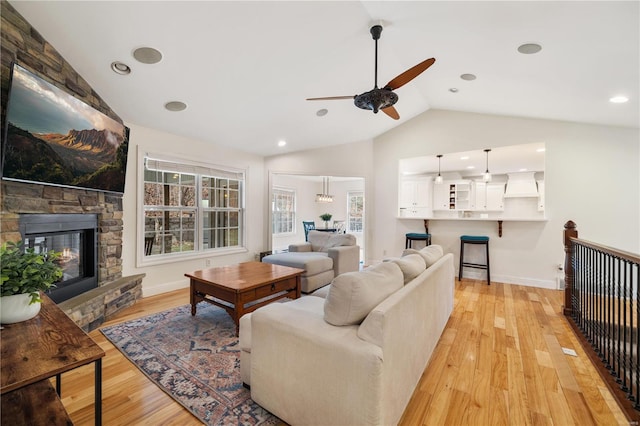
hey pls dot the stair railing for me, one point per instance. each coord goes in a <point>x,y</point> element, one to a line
<point>601,304</point>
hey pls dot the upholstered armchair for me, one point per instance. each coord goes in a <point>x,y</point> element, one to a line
<point>323,257</point>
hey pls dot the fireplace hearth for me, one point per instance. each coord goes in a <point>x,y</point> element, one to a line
<point>73,235</point>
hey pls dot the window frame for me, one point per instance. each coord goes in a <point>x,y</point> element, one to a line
<point>199,169</point>
<point>350,194</point>
<point>294,213</point>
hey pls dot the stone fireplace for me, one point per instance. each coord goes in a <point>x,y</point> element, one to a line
<point>23,43</point>
<point>77,218</point>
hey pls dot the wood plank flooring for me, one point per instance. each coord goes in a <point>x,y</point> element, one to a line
<point>498,362</point>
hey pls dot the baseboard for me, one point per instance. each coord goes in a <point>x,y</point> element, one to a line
<point>163,288</point>
<point>510,279</point>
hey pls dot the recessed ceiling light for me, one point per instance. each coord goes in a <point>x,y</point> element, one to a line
<point>120,68</point>
<point>468,77</point>
<point>175,106</point>
<point>529,48</point>
<point>620,99</point>
<point>453,90</point>
<point>465,157</point>
<point>322,112</point>
<point>471,167</point>
<point>147,55</point>
<point>282,143</point>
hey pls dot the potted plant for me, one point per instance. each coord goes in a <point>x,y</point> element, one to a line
<point>326,217</point>
<point>24,274</point>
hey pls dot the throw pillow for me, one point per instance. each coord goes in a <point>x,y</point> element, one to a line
<point>354,294</point>
<point>411,265</point>
<point>430,254</point>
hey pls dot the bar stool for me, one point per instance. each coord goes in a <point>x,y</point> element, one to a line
<point>414,236</point>
<point>474,239</point>
<point>410,237</point>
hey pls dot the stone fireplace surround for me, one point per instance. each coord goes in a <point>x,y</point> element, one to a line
<point>114,291</point>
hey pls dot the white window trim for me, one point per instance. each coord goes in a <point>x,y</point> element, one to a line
<point>196,167</point>
<point>348,221</point>
<point>295,209</point>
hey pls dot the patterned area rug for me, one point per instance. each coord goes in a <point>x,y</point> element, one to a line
<point>196,360</point>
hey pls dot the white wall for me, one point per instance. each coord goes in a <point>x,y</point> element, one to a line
<point>592,177</point>
<point>170,276</point>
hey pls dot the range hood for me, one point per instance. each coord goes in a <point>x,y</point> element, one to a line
<point>521,184</point>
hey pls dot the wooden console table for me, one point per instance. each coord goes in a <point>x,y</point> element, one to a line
<point>38,349</point>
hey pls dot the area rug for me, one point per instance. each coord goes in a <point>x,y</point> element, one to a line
<point>195,360</point>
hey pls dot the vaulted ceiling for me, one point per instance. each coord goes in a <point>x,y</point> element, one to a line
<point>244,69</point>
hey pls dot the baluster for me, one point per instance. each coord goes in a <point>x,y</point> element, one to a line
<point>625,368</point>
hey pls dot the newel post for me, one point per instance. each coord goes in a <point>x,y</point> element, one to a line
<point>570,231</point>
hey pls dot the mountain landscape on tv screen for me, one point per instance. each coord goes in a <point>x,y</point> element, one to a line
<point>85,158</point>
<point>53,137</point>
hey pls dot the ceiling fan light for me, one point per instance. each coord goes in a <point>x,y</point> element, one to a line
<point>376,99</point>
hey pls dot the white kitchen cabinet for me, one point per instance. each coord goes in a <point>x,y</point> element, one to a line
<point>415,197</point>
<point>452,195</point>
<point>487,196</point>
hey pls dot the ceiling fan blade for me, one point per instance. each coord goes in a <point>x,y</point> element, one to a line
<point>330,98</point>
<point>391,112</point>
<point>409,74</point>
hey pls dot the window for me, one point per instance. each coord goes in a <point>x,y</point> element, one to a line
<point>283,207</point>
<point>190,208</point>
<point>355,219</point>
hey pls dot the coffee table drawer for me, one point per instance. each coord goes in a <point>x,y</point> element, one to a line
<point>273,288</point>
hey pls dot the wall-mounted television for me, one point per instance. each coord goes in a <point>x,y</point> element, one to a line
<point>53,138</point>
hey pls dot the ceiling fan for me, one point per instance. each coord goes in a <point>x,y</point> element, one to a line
<point>383,99</point>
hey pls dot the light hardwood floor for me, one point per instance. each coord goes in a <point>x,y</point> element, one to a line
<point>498,362</point>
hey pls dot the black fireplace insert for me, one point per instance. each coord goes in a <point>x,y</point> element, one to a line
<point>75,237</point>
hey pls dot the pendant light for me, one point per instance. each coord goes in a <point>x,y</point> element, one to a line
<point>324,197</point>
<point>486,177</point>
<point>439,177</point>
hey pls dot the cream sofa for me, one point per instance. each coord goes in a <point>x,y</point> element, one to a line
<point>323,257</point>
<point>351,353</point>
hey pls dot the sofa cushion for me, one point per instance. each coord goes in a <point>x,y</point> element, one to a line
<point>338,240</point>
<point>354,294</point>
<point>411,265</point>
<point>323,241</point>
<point>312,263</point>
<point>430,254</point>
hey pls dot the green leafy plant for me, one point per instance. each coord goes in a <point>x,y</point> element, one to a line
<point>326,217</point>
<point>25,271</point>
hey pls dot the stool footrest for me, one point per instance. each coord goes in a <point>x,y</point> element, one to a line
<point>474,265</point>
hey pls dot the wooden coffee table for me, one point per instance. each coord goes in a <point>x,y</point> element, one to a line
<point>243,287</point>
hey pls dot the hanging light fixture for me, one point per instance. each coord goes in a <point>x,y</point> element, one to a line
<point>324,197</point>
<point>486,177</point>
<point>439,177</point>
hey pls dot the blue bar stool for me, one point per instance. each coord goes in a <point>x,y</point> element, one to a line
<point>410,237</point>
<point>474,239</point>
<point>414,236</point>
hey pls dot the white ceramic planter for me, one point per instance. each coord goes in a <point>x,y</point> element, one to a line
<point>16,308</point>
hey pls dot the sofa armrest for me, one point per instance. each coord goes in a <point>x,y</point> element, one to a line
<point>306,371</point>
<point>300,247</point>
<point>345,259</point>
